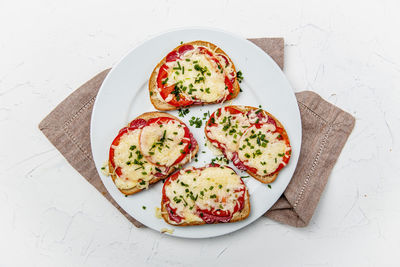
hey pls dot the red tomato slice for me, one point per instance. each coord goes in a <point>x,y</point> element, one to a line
<point>193,142</point>
<point>172,56</point>
<point>208,217</point>
<point>188,146</point>
<point>162,75</point>
<point>286,158</point>
<point>135,124</point>
<point>176,54</point>
<point>138,123</point>
<point>233,110</point>
<point>171,212</point>
<point>205,51</point>
<point>228,83</point>
<point>185,48</point>
<point>211,123</point>
<point>165,91</point>
<point>261,116</point>
<point>183,100</point>
<point>229,86</point>
<point>226,61</point>
<point>238,163</point>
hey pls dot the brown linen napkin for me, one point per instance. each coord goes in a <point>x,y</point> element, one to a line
<point>325,131</point>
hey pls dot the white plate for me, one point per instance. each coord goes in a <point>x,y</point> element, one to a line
<point>124,95</point>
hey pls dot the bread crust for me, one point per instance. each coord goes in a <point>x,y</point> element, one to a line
<point>159,103</point>
<point>147,116</point>
<point>243,214</point>
<point>266,179</point>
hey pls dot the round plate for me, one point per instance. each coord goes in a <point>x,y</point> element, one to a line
<point>124,95</point>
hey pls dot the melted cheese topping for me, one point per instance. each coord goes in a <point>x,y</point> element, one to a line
<point>261,149</point>
<point>208,189</point>
<point>254,116</point>
<point>136,171</point>
<point>197,77</point>
<point>158,213</point>
<point>214,149</point>
<point>105,169</point>
<point>167,230</point>
<point>163,145</point>
<point>229,129</point>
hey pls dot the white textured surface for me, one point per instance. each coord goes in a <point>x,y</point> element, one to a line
<point>347,51</point>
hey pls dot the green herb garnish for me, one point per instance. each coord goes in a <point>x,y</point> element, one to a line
<point>239,76</point>
<point>195,121</point>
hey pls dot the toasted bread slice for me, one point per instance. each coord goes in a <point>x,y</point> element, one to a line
<point>155,98</point>
<point>147,116</point>
<point>266,179</point>
<point>237,216</point>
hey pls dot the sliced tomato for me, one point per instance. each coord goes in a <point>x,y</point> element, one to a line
<point>138,123</point>
<point>233,110</point>
<point>165,90</point>
<point>171,212</point>
<point>172,56</point>
<point>228,82</point>
<point>286,158</point>
<point>261,116</point>
<point>229,86</point>
<point>226,61</point>
<point>237,162</point>
<point>181,101</point>
<point>135,124</point>
<point>176,54</point>
<point>205,51</point>
<point>208,217</point>
<point>162,75</point>
<point>212,164</point>
<point>186,140</point>
<point>185,48</point>
<point>193,142</point>
<point>271,121</point>
<point>232,74</point>
<point>211,123</point>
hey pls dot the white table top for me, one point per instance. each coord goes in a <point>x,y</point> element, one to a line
<point>347,52</point>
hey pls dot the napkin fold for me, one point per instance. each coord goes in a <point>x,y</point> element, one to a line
<point>325,131</point>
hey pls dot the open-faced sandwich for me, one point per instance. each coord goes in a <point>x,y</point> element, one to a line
<point>150,148</point>
<point>211,194</point>
<point>193,73</point>
<point>253,139</point>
